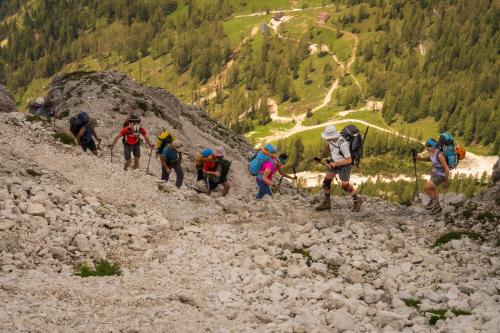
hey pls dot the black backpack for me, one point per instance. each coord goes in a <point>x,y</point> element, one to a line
<point>223,167</point>
<point>77,122</point>
<point>352,135</point>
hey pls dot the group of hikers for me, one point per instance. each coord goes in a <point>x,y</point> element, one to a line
<point>343,150</point>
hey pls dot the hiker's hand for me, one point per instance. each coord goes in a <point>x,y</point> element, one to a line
<point>217,174</point>
<point>333,165</point>
<point>167,170</point>
<point>446,183</point>
<point>110,147</point>
<point>151,145</point>
<point>275,187</point>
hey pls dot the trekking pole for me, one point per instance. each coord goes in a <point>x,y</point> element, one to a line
<point>149,160</point>
<point>296,180</point>
<point>414,156</point>
<point>366,132</point>
<point>111,150</point>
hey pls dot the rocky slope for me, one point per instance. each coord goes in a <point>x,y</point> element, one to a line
<point>111,96</point>
<point>193,263</point>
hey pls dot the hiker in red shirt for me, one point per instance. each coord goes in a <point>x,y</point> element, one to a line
<point>131,138</point>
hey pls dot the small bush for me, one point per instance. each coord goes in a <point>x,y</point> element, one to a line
<point>437,315</point>
<point>33,173</point>
<point>102,268</point>
<point>65,138</point>
<point>456,235</point>
<point>410,302</point>
<point>35,118</point>
<point>333,269</point>
<point>460,312</point>
<point>486,217</point>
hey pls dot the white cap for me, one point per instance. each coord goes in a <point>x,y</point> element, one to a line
<point>330,132</point>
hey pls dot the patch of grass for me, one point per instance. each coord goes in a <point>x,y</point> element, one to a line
<point>437,315</point>
<point>65,138</point>
<point>305,254</point>
<point>456,235</point>
<point>487,217</point>
<point>33,173</point>
<point>410,302</point>
<point>32,118</point>
<point>468,212</point>
<point>333,269</point>
<point>102,268</point>
<point>460,312</point>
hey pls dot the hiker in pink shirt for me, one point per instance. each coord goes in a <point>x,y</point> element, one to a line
<point>266,173</point>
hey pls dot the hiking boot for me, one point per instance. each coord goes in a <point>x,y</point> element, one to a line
<point>431,204</point>
<point>436,209</point>
<point>325,205</point>
<point>357,204</point>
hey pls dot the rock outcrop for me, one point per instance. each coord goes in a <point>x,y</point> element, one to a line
<point>7,102</point>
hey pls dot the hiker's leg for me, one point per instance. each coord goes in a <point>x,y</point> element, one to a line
<point>164,174</point>
<point>263,189</point>
<point>430,189</point>
<point>327,185</point>
<point>226,186</point>
<point>128,156</point>
<point>136,150</point>
<point>179,173</point>
<point>94,152</point>
<point>93,148</point>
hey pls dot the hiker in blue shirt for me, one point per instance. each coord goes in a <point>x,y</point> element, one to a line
<point>171,159</point>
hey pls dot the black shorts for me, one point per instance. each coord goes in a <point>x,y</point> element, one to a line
<point>344,172</point>
<point>128,150</point>
<point>88,145</point>
<point>213,183</point>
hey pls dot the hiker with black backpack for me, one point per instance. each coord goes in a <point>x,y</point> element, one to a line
<point>131,138</point>
<point>83,130</point>
<point>266,173</point>
<point>216,171</point>
<point>440,174</point>
<point>171,159</point>
<point>339,149</point>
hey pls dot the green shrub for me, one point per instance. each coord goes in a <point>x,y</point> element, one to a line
<point>456,235</point>
<point>35,118</point>
<point>460,312</point>
<point>65,138</point>
<point>437,315</point>
<point>410,302</point>
<point>102,268</point>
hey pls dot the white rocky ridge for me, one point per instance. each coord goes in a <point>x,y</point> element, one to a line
<point>193,263</point>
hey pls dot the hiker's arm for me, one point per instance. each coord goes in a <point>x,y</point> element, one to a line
<point>94,133</point>
<point>206,170</point>
<point>325,152</point>
<point>442,160</point>
<point>284,174</point>
<point>421,158</point>
<point>265,177</point>
<point>164,163</point>
<point>116,139</point>
<point>343,162</point>
<point>146,137</point>
<point>80,134</point>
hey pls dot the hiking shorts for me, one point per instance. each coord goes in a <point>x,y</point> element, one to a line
<point>437,179</point>
<point>344,172</point>
<point>213,183</point>
<point>128,150</point>
<point>90,145</point>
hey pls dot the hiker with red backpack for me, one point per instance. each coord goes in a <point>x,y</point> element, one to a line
<point>339,148</point>
<point>216,171</point>
<point>131,138</point>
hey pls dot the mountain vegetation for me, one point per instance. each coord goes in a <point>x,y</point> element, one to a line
<point>426,59</point>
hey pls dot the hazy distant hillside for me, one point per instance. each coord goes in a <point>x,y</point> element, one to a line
<point>433,63</point>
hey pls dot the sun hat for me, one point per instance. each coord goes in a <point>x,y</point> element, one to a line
<point>271,149</point>
<point>219,151</point>
<point>206,152</point>
<point>330,132</point>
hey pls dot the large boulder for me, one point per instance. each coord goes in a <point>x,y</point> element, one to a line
<point>7,102</point>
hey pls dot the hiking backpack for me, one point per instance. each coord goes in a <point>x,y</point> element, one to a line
<point>447,146</point>
<point>256,162</point>
<point>163,139</point>
<point>222,167</point>
<point>352,135</point>
<point>77,122</point>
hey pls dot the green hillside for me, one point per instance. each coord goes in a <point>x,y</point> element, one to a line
<point>434,64</point>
